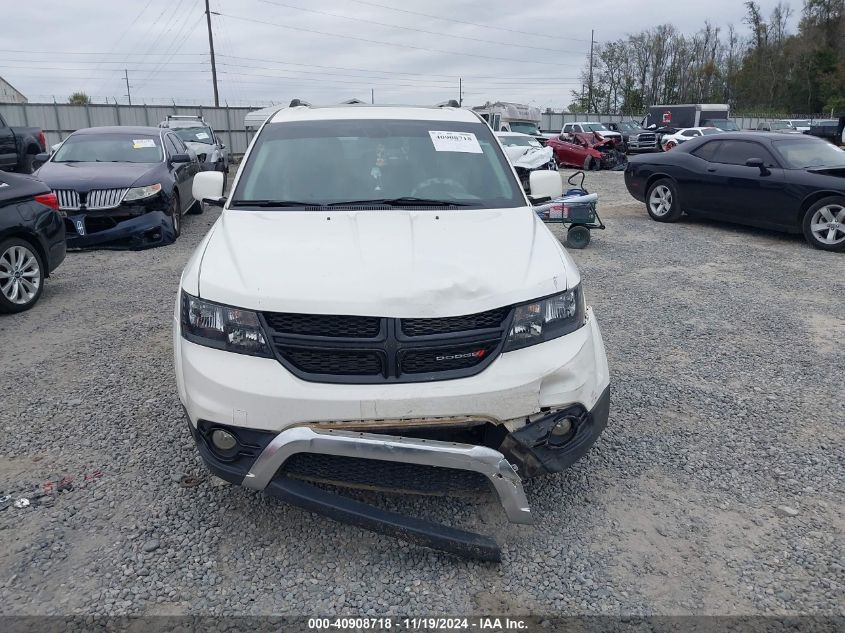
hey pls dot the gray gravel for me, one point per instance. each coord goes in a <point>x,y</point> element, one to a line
<point>717,488</point>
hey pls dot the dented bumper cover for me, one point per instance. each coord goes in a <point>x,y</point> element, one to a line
<point>111,231</point>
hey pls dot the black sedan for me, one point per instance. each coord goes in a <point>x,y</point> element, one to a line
<point>32,240</point>
<point>788,183</point>
<point>122,187</point>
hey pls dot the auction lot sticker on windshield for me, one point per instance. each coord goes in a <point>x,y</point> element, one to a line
<point>202,134</point>
<point>455,142</point>
<point>140,143</point>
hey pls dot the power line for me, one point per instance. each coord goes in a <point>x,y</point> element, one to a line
<point>410,28</point>
<point>370,42</point>
<point>481,26</point>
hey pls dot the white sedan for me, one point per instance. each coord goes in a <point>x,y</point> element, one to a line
<point>669,141</point>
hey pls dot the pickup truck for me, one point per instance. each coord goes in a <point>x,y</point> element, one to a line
<point>635,138</point>
<point>18,147</point>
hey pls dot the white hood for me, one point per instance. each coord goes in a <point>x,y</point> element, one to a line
<point>528,157</point>
<point>394,263</point>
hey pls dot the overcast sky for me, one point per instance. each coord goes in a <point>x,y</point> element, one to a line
<point>325,50</point>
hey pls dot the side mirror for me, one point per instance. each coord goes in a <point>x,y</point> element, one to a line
<point>180,158</point>
<point>759,164</point>
<point>222,146</point>
<point>545,184</point>
<point>40,159</point>
<point>208,186</point>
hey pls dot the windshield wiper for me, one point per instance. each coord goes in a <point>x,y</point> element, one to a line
<point>273,203</point>
<point>409,201</point>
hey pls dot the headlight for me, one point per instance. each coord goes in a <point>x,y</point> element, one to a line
<point>542,320</point>
<point>222,327</point>
<point>139,193</point>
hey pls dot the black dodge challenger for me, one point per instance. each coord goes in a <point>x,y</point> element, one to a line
<point>788,183</point>
<point>121,187</point>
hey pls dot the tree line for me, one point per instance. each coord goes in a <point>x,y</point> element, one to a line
<point>764,68</point>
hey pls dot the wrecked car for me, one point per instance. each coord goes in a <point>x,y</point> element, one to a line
<point>587,150</point>
<point>199,136</point>
<point>406,324</point>
<point>526,154</point>
<point>121,187</point>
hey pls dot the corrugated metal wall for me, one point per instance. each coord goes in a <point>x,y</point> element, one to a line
<point>58,120</point>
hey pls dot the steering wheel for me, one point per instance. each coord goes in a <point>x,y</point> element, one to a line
<point>439,188</point>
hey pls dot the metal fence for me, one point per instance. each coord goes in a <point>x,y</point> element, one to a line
<point>58,120</point>
<point>554,121</point>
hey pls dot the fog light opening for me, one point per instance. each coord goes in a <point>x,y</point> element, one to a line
<point>223,440</point>
<point>562,430</point>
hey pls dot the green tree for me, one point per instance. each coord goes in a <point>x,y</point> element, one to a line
<point>79,98</point>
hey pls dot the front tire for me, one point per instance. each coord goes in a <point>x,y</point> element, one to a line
<point>26,164</point>
<point>662,201</point>
<point>824,224</point>
<point>21,275</point>
<point>176,215</point>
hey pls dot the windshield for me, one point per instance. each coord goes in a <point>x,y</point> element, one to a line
<point>627,126</point>
<point>199,134</point>
<point>804,153</point>
<point>524,128</point>
<point>800,123</point>
<point>594,127</point>
<point>724,125</point>
<point>521,141</point>
<point>397,162</point>
<point>781,125</point>
<point>109,148</point>
<point>711,130</point>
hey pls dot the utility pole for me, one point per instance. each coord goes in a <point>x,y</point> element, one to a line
<point>590,98</point>
<point>460,91</point>
<point>128,93</point>
<point>372,96</point>
<point>211,49</point>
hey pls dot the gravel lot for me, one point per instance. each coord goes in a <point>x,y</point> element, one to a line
<point>717,488</point>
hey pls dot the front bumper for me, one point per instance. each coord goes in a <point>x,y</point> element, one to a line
<point>272,413</point>
<point>135,232</point>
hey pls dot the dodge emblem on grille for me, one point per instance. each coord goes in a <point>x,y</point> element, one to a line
<point>476,354</point>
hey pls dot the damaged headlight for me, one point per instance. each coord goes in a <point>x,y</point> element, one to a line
<point>544,319</point>
<point>139,193</point>
<point>222,327</point>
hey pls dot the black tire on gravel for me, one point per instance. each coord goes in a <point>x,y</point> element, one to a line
<point>662,201</point>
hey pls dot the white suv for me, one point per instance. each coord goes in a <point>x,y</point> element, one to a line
<point>378,306</point>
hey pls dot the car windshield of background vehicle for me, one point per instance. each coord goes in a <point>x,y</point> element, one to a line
<point>521,141</point>
<point>804,153</point>
<point>800,124</point>
<point>194,134</point>
<point>725,126</point>
<point>525,128</point>
<point>595,127</point>
<point>299,163</point>
<point>109,148</point>
<point>781,125</point>
<point>711,130</point>
<point>628,127</point>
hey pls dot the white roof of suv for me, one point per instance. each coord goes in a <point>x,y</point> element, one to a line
<point>304,113</point>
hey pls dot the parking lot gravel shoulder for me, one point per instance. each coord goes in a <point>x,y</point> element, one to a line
<point>717,488</point>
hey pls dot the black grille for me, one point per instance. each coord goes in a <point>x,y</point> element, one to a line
<point>359,349</point>
<point>447,325</point>
<point>324,325</point>
<point>383,475</point>
<point>335,362</point>
<point>431,360</point>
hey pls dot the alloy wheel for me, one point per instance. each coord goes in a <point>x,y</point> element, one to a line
<point>20,275</point>
<point>660,200</point>
<point>828,224</point>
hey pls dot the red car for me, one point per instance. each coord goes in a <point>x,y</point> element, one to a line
<point>584,151</point>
